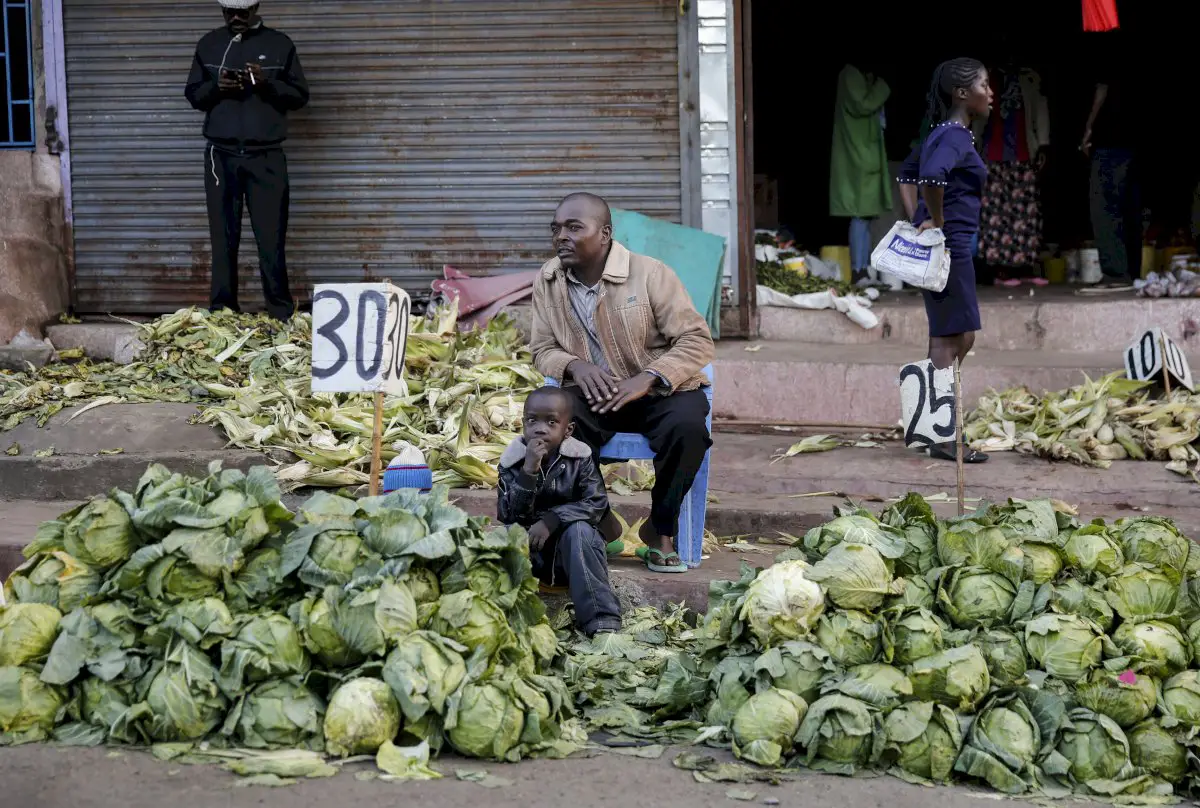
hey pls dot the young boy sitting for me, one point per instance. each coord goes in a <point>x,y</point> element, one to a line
<point>550,485</point>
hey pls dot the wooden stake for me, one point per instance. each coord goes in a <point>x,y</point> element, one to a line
<point>377,446</point>
<point>1162,350</point>
<point>959,434</point>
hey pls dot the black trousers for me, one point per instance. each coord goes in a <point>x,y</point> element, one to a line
<point>259,178</point>
<point>675,427</point>
<point>580,558</point>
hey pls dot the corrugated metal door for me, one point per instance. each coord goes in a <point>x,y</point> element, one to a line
<point>440,131</point>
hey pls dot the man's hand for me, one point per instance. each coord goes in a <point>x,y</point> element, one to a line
<point>628,391</point>
<point>926,225</point>
<point>255,75</point>
<point>1085,144</point>
<point>535,455</point>
<point>539,534</point>
<point>596,384</point>
<point>229,82</point>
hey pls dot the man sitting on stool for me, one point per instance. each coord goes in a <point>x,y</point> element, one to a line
<point>620,330</point>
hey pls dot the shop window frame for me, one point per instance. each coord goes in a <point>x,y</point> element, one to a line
<point>18,102</point>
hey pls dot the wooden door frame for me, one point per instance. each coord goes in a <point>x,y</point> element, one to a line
<point>743,124</point>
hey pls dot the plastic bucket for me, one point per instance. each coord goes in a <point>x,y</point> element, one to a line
<point>839,255</point>
<point>1089,266</point>
<point>1056,269</point>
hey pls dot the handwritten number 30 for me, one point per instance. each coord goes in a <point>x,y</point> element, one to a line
<point>329,331</point>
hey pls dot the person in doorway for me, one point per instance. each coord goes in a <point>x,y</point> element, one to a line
<point>859,187</point>
<point>621,329</point>
<point>1108,140</point>
<point>246,78</point>
<point>551,486</point>
<point>1015,137</point>
<point>951,176</point>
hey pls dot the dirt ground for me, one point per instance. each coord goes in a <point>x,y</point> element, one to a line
<point>39,776</point>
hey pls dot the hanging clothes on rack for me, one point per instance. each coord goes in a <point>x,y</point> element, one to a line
<point>1013,136</point>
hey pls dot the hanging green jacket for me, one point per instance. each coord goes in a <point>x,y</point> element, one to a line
<point>859,184</point>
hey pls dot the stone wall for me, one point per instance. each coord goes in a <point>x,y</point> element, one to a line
<point>33,232</point>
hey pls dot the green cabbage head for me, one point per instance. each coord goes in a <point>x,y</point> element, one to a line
<point>29,708</point>
<point>1139,592</point>
<point>1157,542</point>
<point>921,741</point>
<point>1158,647</point>
<point>27,632</point>
<point>782,604</point>
<point>797,666</point>
<point>1064,645</point>
<point>267,646</point>
<point>1155,749</point>
<point>473,621</point>
<point>1005,655</point>
<point>315,619</point>
<point>973,597</point>
<point>101,535</point>
<point>278,713</point>
<point>1094,745</point>
<point>1094,549</point>
<point>56,579</point>
<point>1181,697</point>
<point>764,726</point>
<point>1127,698</point>
<point>1073,597</point>
<point>916,634</point>
<point>855,576</point>
<point>957,677</point>
<point>968,543</point>
<point>185,702</point>
<point>851,637</point>
<point>362,714</point>
<point>489,722</point>
<point>877,684</point>
<point>423,671</point>
<point>1002,745</point>
<point>838,734</point>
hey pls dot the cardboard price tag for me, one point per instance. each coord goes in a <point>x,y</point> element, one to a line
<point>360,331</point>
<point>1154,353</point>
<point>927,404</point>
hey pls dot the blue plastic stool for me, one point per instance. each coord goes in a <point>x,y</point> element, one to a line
<point>631,446</point>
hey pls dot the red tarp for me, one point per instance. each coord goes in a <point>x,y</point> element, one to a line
<point>1100,15</point>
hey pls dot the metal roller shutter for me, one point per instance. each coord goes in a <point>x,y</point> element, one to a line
<point>438,133</point>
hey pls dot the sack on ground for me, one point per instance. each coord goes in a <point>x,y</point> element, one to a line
<point>918,259</point>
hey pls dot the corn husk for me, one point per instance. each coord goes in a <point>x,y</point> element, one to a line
<point>250,375</point>
<point>1094,424</point>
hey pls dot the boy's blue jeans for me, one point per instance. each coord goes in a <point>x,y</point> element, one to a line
<point>580,556</point>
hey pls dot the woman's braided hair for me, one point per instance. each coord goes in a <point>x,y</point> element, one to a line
<point>947,77</point>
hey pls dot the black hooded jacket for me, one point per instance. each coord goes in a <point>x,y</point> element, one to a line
<point>568,489</point>
<point>255,118</point>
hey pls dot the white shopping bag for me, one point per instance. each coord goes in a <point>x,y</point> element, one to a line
<point>918,259</point>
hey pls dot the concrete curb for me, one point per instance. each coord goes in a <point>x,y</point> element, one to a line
<point>78,477</point>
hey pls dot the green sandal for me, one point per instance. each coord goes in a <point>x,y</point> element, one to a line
<point>664,565</point>
<point>615,548</point>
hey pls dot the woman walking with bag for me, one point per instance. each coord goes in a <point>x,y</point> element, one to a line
<point>951,176</point>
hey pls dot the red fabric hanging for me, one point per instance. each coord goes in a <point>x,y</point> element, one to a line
<point>1100,15</point>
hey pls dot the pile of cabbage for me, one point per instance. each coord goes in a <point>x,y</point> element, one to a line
<point>203,610</point>
<point>1015,647</point>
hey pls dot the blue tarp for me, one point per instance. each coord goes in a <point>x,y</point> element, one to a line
<point>697,257</point>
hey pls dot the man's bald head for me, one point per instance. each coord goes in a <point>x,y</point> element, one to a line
<point>582,234</point>
<point>589,203</point>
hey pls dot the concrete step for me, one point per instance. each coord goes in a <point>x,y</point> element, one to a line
<point>818,382</point>
<point>1013,320</point>
<point>116,342</point>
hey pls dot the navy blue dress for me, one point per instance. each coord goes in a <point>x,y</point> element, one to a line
<point>948,158</point>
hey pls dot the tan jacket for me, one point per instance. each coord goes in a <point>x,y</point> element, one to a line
<point>644,318</point>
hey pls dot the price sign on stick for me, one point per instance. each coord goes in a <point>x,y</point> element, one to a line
<point>1154,353</point>
<point>359,335</point>
<point>927,404</point>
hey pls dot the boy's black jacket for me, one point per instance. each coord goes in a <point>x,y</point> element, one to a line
<point>568,489</point>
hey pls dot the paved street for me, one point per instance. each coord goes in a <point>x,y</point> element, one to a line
<point>48,777</point>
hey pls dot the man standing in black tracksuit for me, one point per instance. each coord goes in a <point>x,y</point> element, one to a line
<point>246,78</point>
